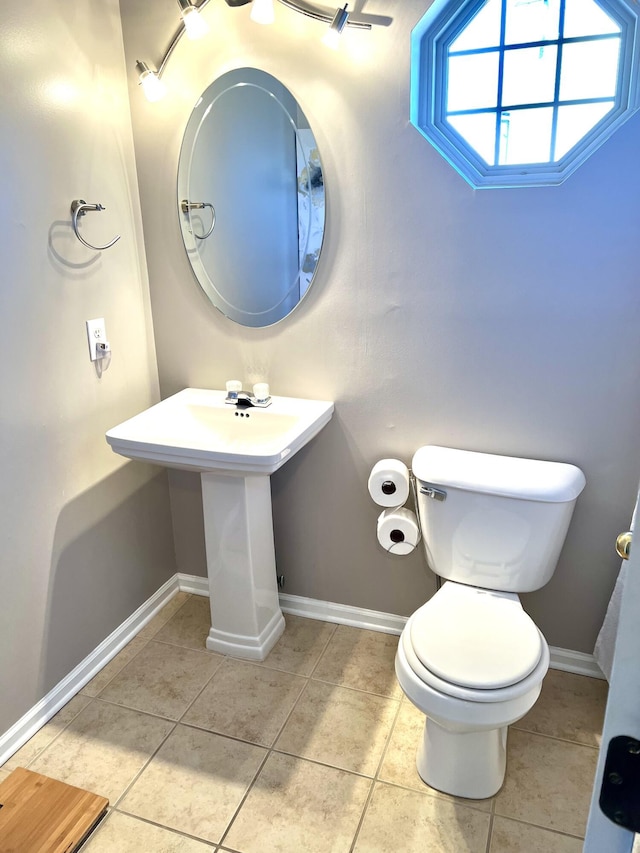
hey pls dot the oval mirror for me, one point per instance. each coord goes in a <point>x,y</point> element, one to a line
<point>251,197</point>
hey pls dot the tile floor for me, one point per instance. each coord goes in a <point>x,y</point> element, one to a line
<point>312,750</point>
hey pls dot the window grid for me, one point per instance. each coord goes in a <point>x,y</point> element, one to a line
<point>500,109</point>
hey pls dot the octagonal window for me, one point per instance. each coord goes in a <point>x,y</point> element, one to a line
<point>520,92</point>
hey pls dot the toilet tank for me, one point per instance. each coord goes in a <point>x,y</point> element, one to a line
<point>490,521</point>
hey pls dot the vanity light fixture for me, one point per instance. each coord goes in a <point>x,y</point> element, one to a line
<point>262,11</point>
<point>194,24</point>
<point>332,36</point>
<point>152,86</point>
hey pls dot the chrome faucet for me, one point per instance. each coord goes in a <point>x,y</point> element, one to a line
<point>246,399</point>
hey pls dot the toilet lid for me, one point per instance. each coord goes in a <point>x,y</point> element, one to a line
<point>475,637</point>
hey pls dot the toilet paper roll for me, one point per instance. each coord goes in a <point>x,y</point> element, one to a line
<point>389,482</point>
<point>398,530</point>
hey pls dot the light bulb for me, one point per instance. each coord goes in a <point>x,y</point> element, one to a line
<point>195,25</point>
<point>152,86</point>
<point>262,11</point>
<point>332,36</point>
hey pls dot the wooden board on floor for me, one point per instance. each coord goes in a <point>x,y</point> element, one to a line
<point>42,815</point>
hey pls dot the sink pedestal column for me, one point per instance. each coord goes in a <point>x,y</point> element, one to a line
<point>246,620</point>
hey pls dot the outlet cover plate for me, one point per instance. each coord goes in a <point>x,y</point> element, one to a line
<point>96,332</point>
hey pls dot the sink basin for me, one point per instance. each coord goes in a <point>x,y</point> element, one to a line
<point>195,429</point>
<point>235,451</point>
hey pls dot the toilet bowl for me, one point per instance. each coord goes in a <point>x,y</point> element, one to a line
<point>470,658</point>
<point>477,689</point>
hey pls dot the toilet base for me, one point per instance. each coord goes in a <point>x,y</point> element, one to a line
<point>466,764</point>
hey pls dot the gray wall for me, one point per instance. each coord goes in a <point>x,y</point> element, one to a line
<point>85,536</point>
<point>499,320</point>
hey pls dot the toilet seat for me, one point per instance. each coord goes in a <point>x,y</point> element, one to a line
<point>476,637</point>
<point>475,644</point>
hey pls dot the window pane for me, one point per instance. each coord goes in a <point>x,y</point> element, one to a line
<point>483,30</point>
<point>529,75</point>
<point>473,82</point>
<point>479,131</point>
<point>576,121</point>
<point>589,69</point>
<point>586,18</point>
<point>526,136</point>
<point>536,20</point>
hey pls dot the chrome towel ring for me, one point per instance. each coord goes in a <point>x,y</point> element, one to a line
<point>187,206</point>
<point>78,208</point>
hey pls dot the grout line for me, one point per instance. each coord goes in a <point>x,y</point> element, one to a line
<point>145,643</point>
<point>326,646</point>
<point>144,767</point>
<point>245,796</point>
<point>173,830</point>
<point>562,832</point>
<point>362,816</point>
<point>490,832</point>
<point>556,738</point>
<point>169,618</point>
<point>136,710</point>
<point>387,743</point>
<point>357,689</point>
<point>55,738</point>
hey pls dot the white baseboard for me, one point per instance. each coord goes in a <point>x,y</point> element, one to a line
<point>311,608</point>
<point>66,689</point>
<point>563,659</point>
<point>343,614</point>
<point>193,584</point>
<point>578,662</point>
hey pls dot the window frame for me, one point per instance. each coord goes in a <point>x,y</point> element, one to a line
<point>430,40</point>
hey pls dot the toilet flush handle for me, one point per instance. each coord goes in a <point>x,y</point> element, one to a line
<point>432,492</point>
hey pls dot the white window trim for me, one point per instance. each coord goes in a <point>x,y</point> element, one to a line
<point>428,97</point>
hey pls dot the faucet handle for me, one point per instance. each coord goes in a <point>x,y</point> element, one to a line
<point>234,387</point>
<point>261,392</point>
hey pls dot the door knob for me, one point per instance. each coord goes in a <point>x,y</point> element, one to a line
<point>623,544</point>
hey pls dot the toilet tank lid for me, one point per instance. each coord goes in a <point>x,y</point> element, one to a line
<point>507,476</point>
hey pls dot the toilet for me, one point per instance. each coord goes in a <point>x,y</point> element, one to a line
<point>471,659</point>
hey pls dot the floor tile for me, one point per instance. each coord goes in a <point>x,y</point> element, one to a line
<point>299,648</point>
<point>115,665</point>
<point>44,736</point>
<point>195,782</point>
<point>246,701</point>
<point>163,616</point>
<point>548,782</point>
<point>399,765</point>
<point>507,836</point>
<point>162,679</point>
<point>190,625</point>
<point>295,805</point>
<point>398,819</point>
<point>120,833</point>
<point>103,749</point>
<point>570,707</point>
<point>360,659</point>
<point>339,726</point>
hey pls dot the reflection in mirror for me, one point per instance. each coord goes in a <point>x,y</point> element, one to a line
<point>251,197</point>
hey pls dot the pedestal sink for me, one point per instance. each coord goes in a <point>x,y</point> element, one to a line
<point>235,451</point>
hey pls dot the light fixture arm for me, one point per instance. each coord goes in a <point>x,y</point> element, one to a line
<point>318,15</point>
<point>302,8</point>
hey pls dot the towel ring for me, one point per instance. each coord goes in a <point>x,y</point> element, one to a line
<point>187,206</point>
<point>78,208</point>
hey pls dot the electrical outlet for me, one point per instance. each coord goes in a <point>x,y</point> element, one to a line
<point>96,334</point>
